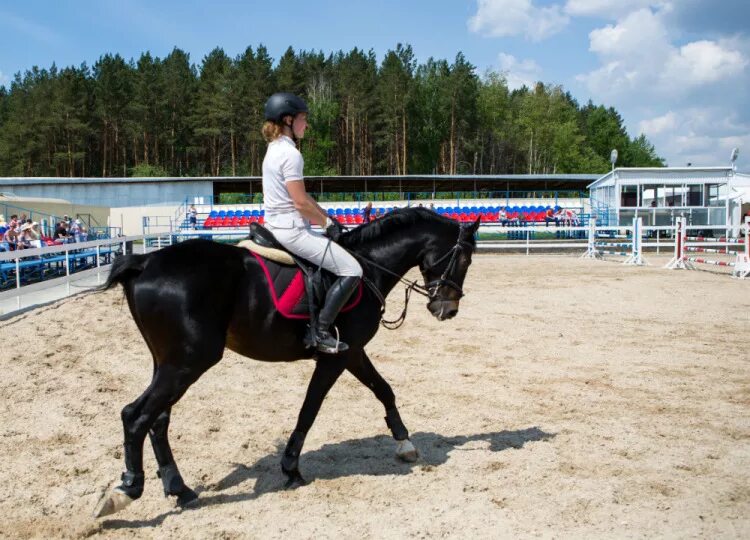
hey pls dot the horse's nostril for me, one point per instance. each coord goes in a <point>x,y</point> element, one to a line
<point>452,312</point>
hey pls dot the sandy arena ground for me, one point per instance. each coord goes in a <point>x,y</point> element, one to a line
<point>569,398</point>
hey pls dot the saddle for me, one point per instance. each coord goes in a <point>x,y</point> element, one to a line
<point>297,286</point>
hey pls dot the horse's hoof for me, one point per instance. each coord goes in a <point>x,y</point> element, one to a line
<point>406,451</point>
<point>187,498</point>
<point>294,480</point>
<point>116,501</point>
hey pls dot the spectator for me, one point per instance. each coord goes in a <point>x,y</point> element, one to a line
<point>24,237</point>
<point>550,215</point>
<point>61,232</point>
<point>193,217</point>
<point>432,207</point>
<point>366,213</point>
<point>74,231</point>
<point>13,223</point>
<point>36,235</point>
<point>10,237</point>
<point>502,217</point>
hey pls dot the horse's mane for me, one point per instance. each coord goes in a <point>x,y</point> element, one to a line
<point>394,221</point>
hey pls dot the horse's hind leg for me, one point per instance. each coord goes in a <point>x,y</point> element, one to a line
<point>327,371</point>
<point>168,472</point>
<point>168,385</point>
<point>366,373</point>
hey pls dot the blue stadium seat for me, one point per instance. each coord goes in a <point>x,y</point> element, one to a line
<point>339,212</point>
<point>331,212</point>
<point>213,214</point>
<point>222,213</point>
<point>246,213</point>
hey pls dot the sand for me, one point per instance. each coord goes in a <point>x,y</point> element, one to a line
<point>568,399</point>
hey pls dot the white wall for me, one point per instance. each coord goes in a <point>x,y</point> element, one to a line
<point>130,218</point>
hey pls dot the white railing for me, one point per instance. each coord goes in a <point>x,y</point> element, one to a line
<point>13,263</point>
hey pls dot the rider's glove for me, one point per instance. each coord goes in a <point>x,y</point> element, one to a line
<point>334,229</point>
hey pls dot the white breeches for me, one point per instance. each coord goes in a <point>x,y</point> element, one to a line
<point>295,234</point>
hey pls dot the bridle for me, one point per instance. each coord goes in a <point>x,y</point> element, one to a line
<point>433,286</point>
<point>428,290</point>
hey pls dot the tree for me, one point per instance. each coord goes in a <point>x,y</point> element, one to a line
<point>113,95</point>
<point>211,118</point>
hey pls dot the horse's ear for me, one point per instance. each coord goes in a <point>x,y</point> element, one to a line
<point>474,226</point>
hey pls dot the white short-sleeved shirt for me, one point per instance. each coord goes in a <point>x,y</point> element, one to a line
<point>283,163</point>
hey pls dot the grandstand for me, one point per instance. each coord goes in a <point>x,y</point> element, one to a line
<point>234,218</point>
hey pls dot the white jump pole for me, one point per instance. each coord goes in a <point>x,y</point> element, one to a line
<point>679,261</point>
<point>591,252</point>
<point>742,263</point>
<point>636,254</point>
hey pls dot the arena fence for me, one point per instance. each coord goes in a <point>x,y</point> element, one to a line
<point>34,276</point>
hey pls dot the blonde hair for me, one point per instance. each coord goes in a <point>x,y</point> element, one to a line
<point>271,130</point>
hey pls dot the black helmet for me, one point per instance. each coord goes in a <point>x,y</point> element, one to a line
<point>283,103</point>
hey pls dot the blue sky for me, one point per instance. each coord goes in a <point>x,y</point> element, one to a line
<point>678,71</point>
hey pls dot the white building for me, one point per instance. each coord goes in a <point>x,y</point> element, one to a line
<point>705,195</point>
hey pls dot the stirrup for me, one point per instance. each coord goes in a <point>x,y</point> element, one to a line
<point>324,342</point>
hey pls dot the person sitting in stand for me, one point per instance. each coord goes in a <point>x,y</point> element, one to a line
<point>551,215</point>
<point>10,237</point>
<point>24,238</point>
<point>366,213</point>
<point>61,232</point>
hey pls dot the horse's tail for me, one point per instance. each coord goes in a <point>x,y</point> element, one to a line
<point>124,268</point>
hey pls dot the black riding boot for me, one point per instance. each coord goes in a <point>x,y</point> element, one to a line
<point>336,298</point>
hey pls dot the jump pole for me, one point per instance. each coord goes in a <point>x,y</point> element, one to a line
<point>742,263</point>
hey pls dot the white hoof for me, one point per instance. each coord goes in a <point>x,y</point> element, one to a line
<point>406,451</point>
<point>116,501</point>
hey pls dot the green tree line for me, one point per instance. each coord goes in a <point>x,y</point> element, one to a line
<point>159,117</point>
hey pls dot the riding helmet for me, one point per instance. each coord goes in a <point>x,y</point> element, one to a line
<point>282,104</point>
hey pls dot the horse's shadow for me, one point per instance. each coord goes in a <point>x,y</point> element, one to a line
<point>372,456</point>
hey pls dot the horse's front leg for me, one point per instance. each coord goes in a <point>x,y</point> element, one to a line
<point>366,373</point>
<point>327,370</point>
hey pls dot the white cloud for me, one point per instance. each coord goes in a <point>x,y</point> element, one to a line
<point>606,9</point>
<point>639,59</point>
<point>519,73</point>
<point>702,62</point>
<point>4,79</point>
<point>500,18</point>
<point>655,126</point>
<point>697,135</point>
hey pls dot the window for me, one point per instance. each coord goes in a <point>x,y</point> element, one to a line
<point>629,196</point>
<point>694,196</point>
<point>649,196</point>
<point>714,193</point>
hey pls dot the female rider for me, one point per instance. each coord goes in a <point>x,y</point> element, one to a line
<point>289,211</point>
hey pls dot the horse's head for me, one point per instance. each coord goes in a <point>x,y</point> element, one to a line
<point>444,270</point>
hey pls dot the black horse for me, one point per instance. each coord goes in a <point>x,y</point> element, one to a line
<point>193,299</point>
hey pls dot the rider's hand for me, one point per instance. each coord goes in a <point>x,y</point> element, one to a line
<point>334,229</point>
